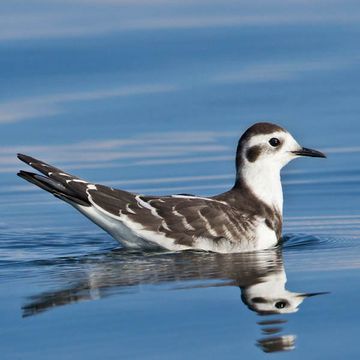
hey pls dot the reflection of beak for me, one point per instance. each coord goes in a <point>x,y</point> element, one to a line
<point>309,152</point>
<point>314,294</point>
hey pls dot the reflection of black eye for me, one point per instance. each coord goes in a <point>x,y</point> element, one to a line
<point>274,142</point>
<point>280,304</point>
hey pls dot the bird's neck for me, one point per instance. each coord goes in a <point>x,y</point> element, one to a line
<point>272,285</point>
<point>264,182</point>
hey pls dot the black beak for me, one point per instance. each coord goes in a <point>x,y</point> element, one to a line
<point>309,152</point>
<point>314,294</point>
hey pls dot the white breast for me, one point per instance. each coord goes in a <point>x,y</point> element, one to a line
<point>264,236</point>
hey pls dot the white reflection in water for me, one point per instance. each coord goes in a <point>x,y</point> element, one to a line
<point>260,277</point>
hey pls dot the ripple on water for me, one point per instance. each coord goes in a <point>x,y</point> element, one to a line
<point>32,255</point>
<point>318,242</point>
<point>304,252</point>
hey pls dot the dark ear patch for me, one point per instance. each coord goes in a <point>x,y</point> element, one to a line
<point>253,153</point>
<point>259,300</point>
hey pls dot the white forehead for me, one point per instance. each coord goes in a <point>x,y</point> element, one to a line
<point>264,138</point>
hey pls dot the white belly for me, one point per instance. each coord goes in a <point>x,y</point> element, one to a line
<point>130,235</point>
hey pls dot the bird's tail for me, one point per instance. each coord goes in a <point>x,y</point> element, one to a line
<point>62,185</point>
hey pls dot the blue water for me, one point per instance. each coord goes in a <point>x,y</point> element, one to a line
<point>151,96</point>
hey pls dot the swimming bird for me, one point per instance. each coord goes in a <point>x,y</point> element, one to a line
<point>248,217</point>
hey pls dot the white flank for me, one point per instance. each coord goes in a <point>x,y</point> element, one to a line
<point>130,233</point>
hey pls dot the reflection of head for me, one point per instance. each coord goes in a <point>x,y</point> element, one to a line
<point>269,296</point>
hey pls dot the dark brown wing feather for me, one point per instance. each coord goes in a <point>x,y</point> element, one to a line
<point>182,218</point>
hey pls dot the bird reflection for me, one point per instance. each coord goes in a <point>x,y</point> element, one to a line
<point>259,275</point>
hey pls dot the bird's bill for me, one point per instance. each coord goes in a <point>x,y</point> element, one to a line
<point>306,295</point>
<point>309,152</point>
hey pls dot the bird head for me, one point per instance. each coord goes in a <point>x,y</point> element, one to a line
<point>266,145</point>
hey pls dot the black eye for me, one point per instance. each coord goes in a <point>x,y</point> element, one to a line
<point>274,142</point>
<point>281,304</point>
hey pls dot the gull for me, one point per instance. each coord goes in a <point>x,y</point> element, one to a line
<point>248,217</point>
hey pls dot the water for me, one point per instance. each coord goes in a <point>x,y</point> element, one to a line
<point>151,97</point>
